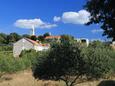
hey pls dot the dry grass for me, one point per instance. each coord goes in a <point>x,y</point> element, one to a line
<point>25,78</point>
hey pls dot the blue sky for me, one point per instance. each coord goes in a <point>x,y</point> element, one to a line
<point>13,10</point>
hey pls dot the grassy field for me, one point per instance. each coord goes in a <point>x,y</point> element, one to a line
<point>25,78</point>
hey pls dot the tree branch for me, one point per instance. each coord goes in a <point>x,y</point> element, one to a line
<point>74,80</point>
<point>66,81</point>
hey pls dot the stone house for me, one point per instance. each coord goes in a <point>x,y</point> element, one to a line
<point>27,44</point>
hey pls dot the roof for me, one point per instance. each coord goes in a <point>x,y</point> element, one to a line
<point>32,41</point>
<point>36,43</point>
<point>45,45</point>
<point>52,37</point>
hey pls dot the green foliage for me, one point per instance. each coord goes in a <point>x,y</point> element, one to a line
<point>102,11</point>
<point>26,35</point>
<point>3,38</point>
<point>9,38</point>
<point>107,83</point>
<point>13,37</point>
<point>67,61</point>
<point>9,64</point>
<point>62,62</point>
<point>67,38</point>
<point>46,34</point>
<point>33,38</point>
<point>98,62</point>
<point>41,38</point>
<point>4,48</point>
<point>99,44</point>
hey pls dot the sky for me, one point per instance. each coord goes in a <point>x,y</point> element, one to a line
<point>55,16</point>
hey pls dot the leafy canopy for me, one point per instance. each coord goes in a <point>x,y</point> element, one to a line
<point>103,12</point>
<point>63,61</point>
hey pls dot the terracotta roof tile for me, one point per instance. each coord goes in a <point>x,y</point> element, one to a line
<point>36,43</point>
<point>51,37</point>
<point>32,41</point>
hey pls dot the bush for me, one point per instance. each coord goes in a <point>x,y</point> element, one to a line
<point>6,48</point>
<point>8,64</point>
<point>98,62</point>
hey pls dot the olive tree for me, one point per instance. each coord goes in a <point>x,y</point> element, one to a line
<point>98,62</point>
<point>63,62</point>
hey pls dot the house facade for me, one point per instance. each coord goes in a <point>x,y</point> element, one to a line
<point>83,41</point>
<point>27,44</point>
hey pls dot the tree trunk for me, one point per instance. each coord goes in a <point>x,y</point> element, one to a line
<point>72,83</point>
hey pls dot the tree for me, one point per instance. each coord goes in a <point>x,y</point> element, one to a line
<point>103,12</point>
<point>67,64</point>
<point>3,38</point>
<point>33,37</point>
<point>46,34</point>
<point>13,37</point>
<point>98,62</point>
<point>41,38</point>
<point>67,38</point>
<point>99,44</point>
<point>26,35</point>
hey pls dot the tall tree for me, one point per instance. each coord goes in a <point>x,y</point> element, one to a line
<point>103,12</point>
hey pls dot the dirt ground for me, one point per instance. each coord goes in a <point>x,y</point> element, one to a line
<point>25,78</point>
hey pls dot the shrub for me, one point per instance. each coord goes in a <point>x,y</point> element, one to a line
<point>98,62</point>
<point>6,48</point>
<point>8,64</point>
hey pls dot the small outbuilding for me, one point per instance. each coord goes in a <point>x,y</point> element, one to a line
<point>27,44</point>
<point>83,41</point>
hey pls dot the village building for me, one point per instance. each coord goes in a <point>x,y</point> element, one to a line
<point>113,44</point>
<point>52,38</point>
<point>27,44</point>
<point>83,41</point>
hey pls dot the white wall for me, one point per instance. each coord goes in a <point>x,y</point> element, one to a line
<point>41,48</point>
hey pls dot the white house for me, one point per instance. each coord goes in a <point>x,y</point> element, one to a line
<point>83,40</point>
<point>27,44</point>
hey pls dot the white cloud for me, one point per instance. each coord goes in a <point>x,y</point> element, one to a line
<point>96,30</point>
<point>56,19</point>
<point>37,23</point>
<point>80,17</point>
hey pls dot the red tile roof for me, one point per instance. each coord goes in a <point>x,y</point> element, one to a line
<point>36,43</point>
<point>32,41</point>
<point>52,37</point>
